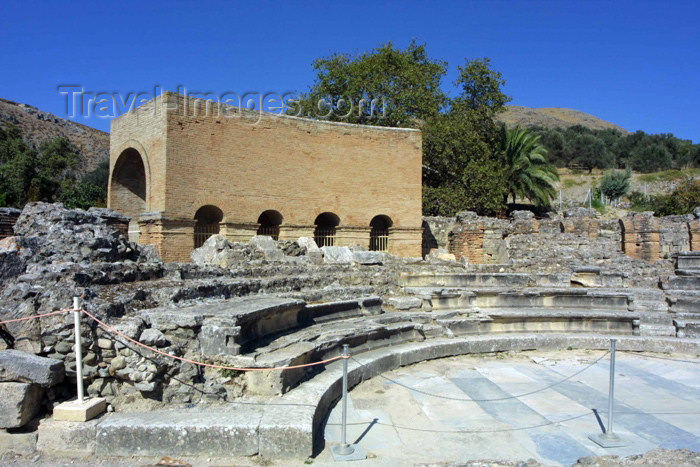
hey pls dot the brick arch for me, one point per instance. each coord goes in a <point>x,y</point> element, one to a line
<point>207,223</point>
<point>129,183</point>
<point>326,224</point>
<point>269,223</point>
<point>379,233</point>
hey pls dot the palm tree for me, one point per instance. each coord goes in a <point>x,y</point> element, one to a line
<point>528,174</point>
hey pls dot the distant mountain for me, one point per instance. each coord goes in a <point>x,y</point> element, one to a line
<point>37,126</point>
<point>553,117</point>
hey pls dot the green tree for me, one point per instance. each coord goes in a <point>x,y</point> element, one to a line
<point>616,184</point>
<point>462,169</point>
<point>403,86</point>
<point>650,158</point>
<point>527,172</point>
<point>590,152</point>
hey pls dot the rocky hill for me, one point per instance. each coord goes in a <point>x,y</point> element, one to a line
<point>38,126</point>
<point>553,117</point>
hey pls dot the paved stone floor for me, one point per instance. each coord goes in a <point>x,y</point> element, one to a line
<point>657,404</point>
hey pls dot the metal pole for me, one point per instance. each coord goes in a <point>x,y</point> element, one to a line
<point>78,349</point>
<point>345,448</point>
<point>590,197</point>
<point>560,200</point>
<point>611,390</point>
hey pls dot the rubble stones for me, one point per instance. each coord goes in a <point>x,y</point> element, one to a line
<point>19,366</point>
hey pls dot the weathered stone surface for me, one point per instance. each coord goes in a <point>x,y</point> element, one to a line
<point>267,246</point>
<point>180,432</point>
<point>405,303</point>
<point>19,443</point>
<point>24,367</point>
<point>19,402</point>
<point>337,255</point>
<point>369,257</point>
<point>153,337</point>
<point>67,438</point>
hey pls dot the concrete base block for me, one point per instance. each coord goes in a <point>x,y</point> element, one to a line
<point>74,411</point>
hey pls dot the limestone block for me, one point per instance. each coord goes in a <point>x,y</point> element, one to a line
<point>405,303</point>
<point>268,247</point>
<point>67,438</point>
<point>313,252</point>
<point>369,257</point>
<point>19,402</point>
<point>337,255</point>
<point>19,366</point>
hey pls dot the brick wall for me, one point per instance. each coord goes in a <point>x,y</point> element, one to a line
<point>245,164</point>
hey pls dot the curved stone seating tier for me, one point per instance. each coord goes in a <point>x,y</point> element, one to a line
<point>289,426</point>
<point>325,340</point>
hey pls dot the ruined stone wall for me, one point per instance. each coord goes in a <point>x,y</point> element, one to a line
<point>579,232</point>
<point>245,164</point>
<point>436,232</point>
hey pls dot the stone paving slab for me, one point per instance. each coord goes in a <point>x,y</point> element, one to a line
<point>653,409</point>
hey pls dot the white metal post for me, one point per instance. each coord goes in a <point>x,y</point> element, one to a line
<point>609,439</point>
<point>346,451</point>
<point>78,350</point>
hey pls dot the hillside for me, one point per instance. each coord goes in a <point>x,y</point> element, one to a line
<point>38,126</point>
<point>553,117</point>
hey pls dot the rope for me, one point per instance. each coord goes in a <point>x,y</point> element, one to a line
<point>659,358</point>
<point>503,430</point>
<point>439,396</point>
<point>208,365</point>
<point>27,318</point>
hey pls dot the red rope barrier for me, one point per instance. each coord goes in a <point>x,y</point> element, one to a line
<point>209,365</point>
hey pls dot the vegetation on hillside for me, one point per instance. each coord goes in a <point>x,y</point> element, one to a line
<point>580,147</point>
<point>47,173</point>
<point>683,200</point>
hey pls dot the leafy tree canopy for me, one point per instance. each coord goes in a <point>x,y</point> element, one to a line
<point>385,87</point>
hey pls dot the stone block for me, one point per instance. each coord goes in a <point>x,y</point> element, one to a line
<point>267,246</point>
<point>19,403</point>
<point>180,432</point>
<point>369,257</point>
<point>405,303</point>
<point>19,366</point>
<point>337,255</point>
<point>67,438</point>
<point>287,432</point>
<point>18,443</point>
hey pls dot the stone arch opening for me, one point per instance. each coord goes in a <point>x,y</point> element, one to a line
<point>129,189</point>
<point>270,222</point>
<point>326,225</point>
<point>379,235</point>
<point>207,223</point>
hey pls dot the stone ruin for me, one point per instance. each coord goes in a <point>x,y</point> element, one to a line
<point>514,284</point>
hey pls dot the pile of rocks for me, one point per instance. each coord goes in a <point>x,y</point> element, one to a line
<point>218,251</point>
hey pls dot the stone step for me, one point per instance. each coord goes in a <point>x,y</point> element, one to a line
<point>684,301</point>
<point>687,327</point>
<point>656,330</point>
<point>560,320</point>
<point>681,283</point>
<point>649,305</point>
<point>664,319</point>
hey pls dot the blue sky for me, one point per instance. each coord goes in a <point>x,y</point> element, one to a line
<point>634,63</point>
